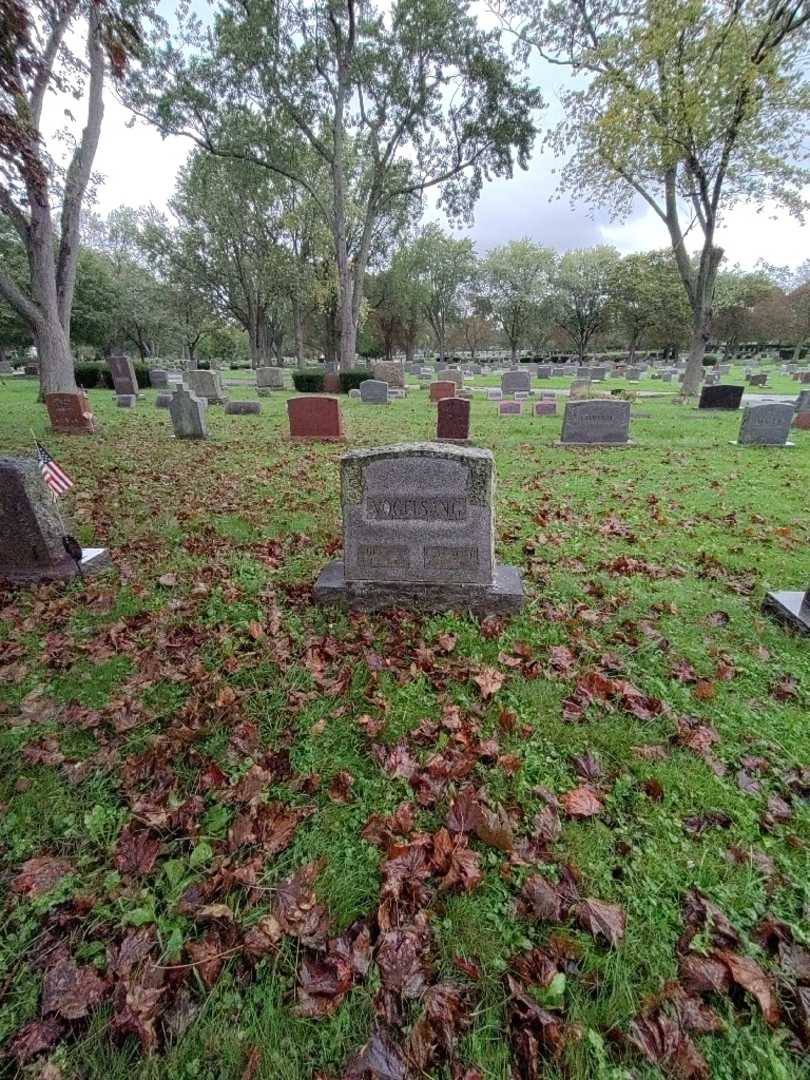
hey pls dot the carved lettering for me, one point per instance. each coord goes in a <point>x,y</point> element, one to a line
<point>374,556</point>
<point>449,508</point>
<point>451,558</point>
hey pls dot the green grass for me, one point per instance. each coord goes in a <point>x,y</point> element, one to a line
<point>124,667</point>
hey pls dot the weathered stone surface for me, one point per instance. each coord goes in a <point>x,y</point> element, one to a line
<point>453,420</point>
<point>243,408</point>
<point>758,378</point>
<point>791,608</point>
<point>418,525</point>
<point>510,408</point>
<point>163,401</point>
<point>31,532</point>
<point>766,425</point>
<point>374,392</point>
<point>721,396</point>
<point>595,422</point>
<point>70,413</point>
<point>316,417</point>
<point>354,393</point>
<point>6,368</point>
<point>453,375</point>
<point>389,371</point>
<point>189,414</point>
<point>545,408</point>
<point>158,379</point>
<point>494,395</point>
<point>270,378</point>
<point>445,388</point>
<point>126,401</point>
<point>206,384</point>
<point>516,380</point>
<point>123,375</point>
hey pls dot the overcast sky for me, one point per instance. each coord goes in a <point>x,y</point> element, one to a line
<point>138,168</point>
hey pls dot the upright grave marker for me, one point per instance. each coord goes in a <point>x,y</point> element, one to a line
<point>158,379</point>
<point>206,384</point>
<point>70,413</point>
<point>722,396</point>
<point>596,423</point>
<point>516,380</point>
<point>389,371</point>
<point>792,608</point>
<point>766,425</point>
<point>189,414</point>
<point>31,532</point>
<point>315,418</point>
<point>418,532</point>
<point>269,379</point>
<point>374,392</point>
<point>123,375</point>
<point>453,420</point>
<point>443,389</point>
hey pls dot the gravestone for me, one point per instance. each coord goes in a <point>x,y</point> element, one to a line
<point>6,368</point>
<point>801,409</point>
<point>354,393</point>
<point>389,371</point>
<point>316,418</point>
<point>791,608</point>
<point>189,414</point>
<point>510,408</point>
<point>158,379</point>
<point>31,531</point>
<point>419,532</point>
<point>634,374</point>
<point>125,401</point>
<point>455,376</point>
<point>206,384</point>
<point>374,392</point>
<point>804,377</point>
<point>596,423</point>
<point>269,379</point>
<point>544,372</point>
<point>123,375</point>
<point>516,380</point>
<point>545,408</point>
<point>721,397</point>
<point>31,371</point>
<point>453,420</point>
<point>163,401</point>
<point>242,408</point>
<point>766,425</point>
<point>443,389</point>
<point>494,395</point>
<point>70,413</point>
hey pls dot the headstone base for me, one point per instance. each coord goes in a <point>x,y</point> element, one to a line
<point>317,438</point>
<point>454,442</point>
<point>585,445</point>
<point>94,561</point>
<point>766,446</point>
<point>503,597</point>
<point>789,608</point>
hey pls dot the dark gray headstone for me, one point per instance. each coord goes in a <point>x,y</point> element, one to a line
<point>126,401</point>
<point>31,532</point>
<point>189,414</point>
<point>516,380</point>
<point>163,401</point>
<point>418,523</point>
<point>595,422</point>
<point>721,397</point>
<point>123,375</point>
<point>374,392</point>
<point>158,379</point>
<point>791,608</point>
<point>766,425</point>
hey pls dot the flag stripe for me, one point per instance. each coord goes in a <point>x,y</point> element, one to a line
<point>52,472</point>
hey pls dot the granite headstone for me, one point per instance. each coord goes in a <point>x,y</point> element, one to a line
<point>315,418</point>
<point>723,396</point>
<point>596,423</point>
<point>766,425</point>
<point>453,420</point>
<point>189,414</point>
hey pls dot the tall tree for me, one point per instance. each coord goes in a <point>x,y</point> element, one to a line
<point>516,280</point>
<point>36,59</point>
<point>444,265</point>
<point>391,103</point>
<point>582,293</point>
<point>690,104</point>
<point>647,300</point>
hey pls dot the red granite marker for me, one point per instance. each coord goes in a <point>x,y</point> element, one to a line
<point>453,421</point>
<point>331,383</point>
<point>70,413</point>
<point>439,390</point>
<point>315,417</point>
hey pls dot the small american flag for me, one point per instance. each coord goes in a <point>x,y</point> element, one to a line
<point>52,472</point>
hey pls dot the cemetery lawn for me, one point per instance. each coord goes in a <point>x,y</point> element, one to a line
<point>180,738</point>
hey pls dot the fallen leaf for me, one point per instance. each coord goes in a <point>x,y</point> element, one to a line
<point>582,801</point>
<point>601,919</point>
<point>71,991</point>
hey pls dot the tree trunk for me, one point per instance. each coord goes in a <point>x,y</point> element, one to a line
<point>513,348</point>
<point>693,376</point>
<point>54,355</point>
<point>298,332</point>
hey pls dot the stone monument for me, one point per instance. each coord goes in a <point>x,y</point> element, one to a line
<point>419,532</point>
<point>389,371</point>
<point>31,532</point>
<point>123,375</point>
<point>721,396</point>
<point>316,418</point>
<point>766,425</point>
<point>442,389</point>
<point>374,392</point>
<point>516,380</point>
<point>453,420</point>
<point>269,379</point>
<point>791,608</point>
<point>595,423</point>
<point>189,414</point>
<point>242,408</point>
<point>70,413</point>
<point>206,384</point>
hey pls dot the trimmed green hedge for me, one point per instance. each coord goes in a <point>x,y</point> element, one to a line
<point>709,360</point>
<point>308,381</point>
<point>93,376</point>
<point>350,380</point>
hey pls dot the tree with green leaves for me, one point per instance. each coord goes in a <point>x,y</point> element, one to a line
<point>443,266</point>
<point>691,105</point>
<point>42,200</point>
<point>516,280</point>
<point>736,293</point>
<point>581,298</point>
<point>647,301</point>
<point>390,103</point>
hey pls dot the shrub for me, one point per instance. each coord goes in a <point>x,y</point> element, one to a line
<point>350,380</point>
<point>710,359</point>
<point>89,376</point>
<point>308,381</point>
<point>203,365</point>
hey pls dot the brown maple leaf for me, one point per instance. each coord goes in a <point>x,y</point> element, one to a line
<point>489,681</point>
<point>71,991</point>
<point>39,875</point>
<point>582,801</point>
<point>601,919</point>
